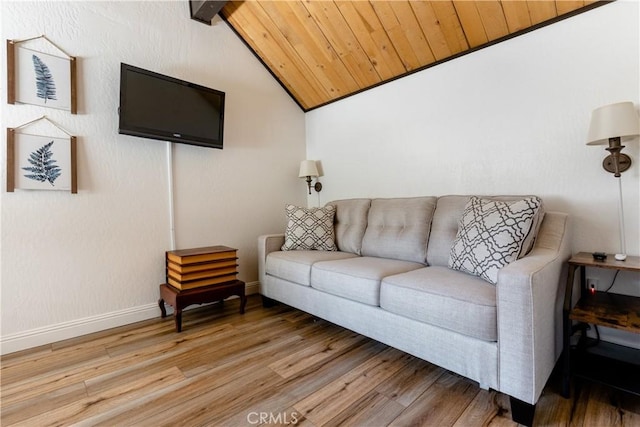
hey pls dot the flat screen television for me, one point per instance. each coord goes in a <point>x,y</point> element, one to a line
<point>160,107</point>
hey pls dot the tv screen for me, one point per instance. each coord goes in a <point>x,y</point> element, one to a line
<point>161,107</point>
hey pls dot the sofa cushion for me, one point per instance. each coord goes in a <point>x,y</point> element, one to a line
<point>492,234</point>
<point>357,279</point>
<point>399,228</point>
<point>295,266</point>
<point>445,298</point>
<point>350,223</point>
<point>444,227</point>
<point>309,229</point>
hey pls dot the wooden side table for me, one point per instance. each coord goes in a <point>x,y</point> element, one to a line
<point>607,363</point>
<point>180,299</point>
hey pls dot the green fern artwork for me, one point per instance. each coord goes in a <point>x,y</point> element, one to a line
<point>43,167</point>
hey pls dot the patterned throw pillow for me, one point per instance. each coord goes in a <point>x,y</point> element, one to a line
<point>491,235</point>
<point>310,229</point>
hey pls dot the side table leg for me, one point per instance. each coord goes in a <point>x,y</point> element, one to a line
<point>243,302</point>
<point>566,336</point>
<point>163,311</point>
<point>178,317</point>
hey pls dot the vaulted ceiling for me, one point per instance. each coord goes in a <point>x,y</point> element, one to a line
<point>322,51</point>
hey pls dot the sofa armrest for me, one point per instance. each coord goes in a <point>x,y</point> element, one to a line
<point>530,293</point>
<point>266,244</point>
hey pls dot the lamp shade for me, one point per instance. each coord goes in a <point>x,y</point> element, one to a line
<point>308,168</point>
<point>611,121</point>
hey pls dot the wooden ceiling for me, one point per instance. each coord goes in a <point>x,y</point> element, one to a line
<point>322,51</point>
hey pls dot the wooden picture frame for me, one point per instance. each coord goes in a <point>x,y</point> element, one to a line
<point>40,78</point>
<point>38,162</point>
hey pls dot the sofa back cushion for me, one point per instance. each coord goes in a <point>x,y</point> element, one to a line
<point>399,228</point>
<point>445,226</point>
<point>350,223</point>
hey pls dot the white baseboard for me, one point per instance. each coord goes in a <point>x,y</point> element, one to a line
<point>76,328</point>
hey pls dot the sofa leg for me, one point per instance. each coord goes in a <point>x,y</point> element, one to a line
<point>268,302</point>
<point>522,412</point>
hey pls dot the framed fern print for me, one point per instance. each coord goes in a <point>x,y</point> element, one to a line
<point>38,162</point>
<point>40,78</point>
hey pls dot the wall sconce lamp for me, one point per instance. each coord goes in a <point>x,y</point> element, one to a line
<point>609,124</point>
<point>309,170</point>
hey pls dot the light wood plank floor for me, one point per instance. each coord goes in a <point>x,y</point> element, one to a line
<point>275,366</point>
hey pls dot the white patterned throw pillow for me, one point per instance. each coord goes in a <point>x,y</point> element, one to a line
<point>491,235</point>
<point>310,229</point>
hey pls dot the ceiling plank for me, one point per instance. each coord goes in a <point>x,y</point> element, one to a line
<point>293,21</point>
<point>516,14</point>
<point>471,22</point>
<point>250,21</point>
<point>396,34</point>
<point>493,19</point>
<point>566,6</point>
<point>413,32</point>
<point>451,27</point>
<point>541,11</point>
<point>432,29</point>
<point>372,37</point>
<point>341,37</point>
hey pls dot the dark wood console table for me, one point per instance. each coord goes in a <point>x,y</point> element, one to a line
<point>603,362</point>
<point>179,299</point>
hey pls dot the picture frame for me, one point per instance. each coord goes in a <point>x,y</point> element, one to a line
<point>40,78</point>
<point>39,162</point>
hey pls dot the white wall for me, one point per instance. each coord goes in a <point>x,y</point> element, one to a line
<point>77,263</point>
<point>508,119</point>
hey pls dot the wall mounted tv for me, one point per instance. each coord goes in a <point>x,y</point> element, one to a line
<point>164,108</point>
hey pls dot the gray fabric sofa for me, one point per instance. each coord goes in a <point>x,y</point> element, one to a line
<point>390,280</point>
